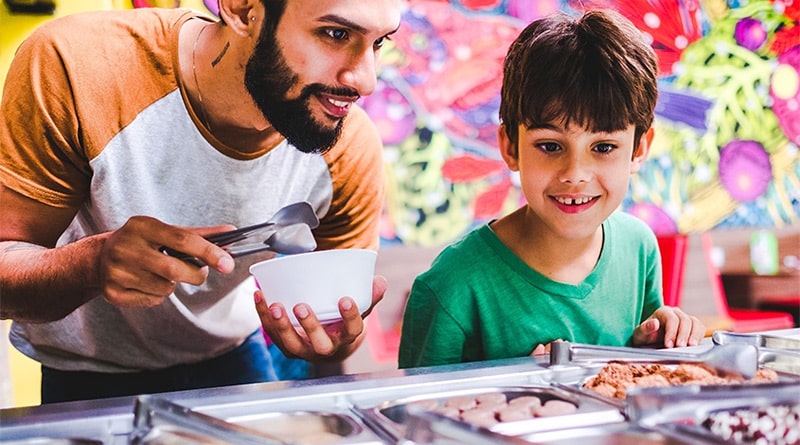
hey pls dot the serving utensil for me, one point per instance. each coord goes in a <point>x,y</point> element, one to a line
<point>288,231</point>
<point>736,357</point>
<point>778,353</point>
<point>759,340</point>
<point>294,238</point>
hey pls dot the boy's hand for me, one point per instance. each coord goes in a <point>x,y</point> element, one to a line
<point>671,327</point>
<point>541,349</point>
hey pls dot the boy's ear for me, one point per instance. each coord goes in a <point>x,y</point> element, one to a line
<point>641,152</point>
<point>508,149</point>
<point>244,17</point>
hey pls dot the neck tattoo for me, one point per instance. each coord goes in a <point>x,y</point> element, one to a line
<point>196,83</point>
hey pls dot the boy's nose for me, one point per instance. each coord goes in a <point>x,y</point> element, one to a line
<point>575,169</point>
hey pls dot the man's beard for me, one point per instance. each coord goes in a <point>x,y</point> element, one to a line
<point>268,78</point>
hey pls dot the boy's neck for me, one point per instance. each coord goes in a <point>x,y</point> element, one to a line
<point>566,260</point>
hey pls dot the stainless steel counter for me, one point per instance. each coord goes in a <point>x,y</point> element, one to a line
<point>363,402</point>
<point>110,421</point>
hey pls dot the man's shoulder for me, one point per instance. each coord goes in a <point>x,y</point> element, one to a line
<point>66,27</point>
<point>358,125</point>
<point>359,143</point>
<point>107,41</point>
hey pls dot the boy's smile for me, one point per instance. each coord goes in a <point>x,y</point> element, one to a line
<point>575,204</point>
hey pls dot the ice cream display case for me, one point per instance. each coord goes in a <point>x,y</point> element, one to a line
<point>526,400</point>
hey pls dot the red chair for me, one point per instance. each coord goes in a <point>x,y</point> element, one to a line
<point>744,320</point>
<point>673,262</point>
<point>783,303</point>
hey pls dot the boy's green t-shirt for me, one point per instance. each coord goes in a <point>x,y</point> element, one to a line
<point>479,301</point>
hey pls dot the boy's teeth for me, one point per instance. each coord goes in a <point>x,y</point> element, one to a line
<point>576,201</point>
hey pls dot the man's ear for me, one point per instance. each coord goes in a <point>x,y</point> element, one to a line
<point>508,148</point>
<point>244,17</point>
<point>643,149</point>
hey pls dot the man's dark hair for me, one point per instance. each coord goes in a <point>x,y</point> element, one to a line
<point>274,12</point>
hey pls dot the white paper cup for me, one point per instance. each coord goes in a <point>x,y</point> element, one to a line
<point>319,279</point>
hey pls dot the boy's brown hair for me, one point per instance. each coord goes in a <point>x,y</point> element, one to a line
<point>595,71</point>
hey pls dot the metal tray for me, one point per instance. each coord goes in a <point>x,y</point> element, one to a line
<point>162,422</point>
<point>394,413</point>
<point>159,421</point>
<point>51,441</point>
<point>592,369</point>
<point>613,434</point>
<point>303,426</point>
<point>680,412</point>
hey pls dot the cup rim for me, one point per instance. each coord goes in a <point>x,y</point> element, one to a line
<point>284,258</point>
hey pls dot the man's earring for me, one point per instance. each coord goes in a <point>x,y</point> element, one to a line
<point>253,18</point>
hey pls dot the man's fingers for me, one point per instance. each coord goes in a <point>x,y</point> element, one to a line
<point>192,243</point>
<point>379,286</point>
<point>319,340</point>
<point>126,288</point>
<point>132,260</point>
<point>312,340</point>
<point>211,230</point>
<point>352,321</point>
<point>276,324</point>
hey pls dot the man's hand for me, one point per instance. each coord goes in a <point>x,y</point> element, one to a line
<point>313,341</point>
<point>133,272</point>
<point>671,327</point>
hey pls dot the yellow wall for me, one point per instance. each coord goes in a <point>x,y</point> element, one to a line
<point>15,27</point>
<point>23,374</point>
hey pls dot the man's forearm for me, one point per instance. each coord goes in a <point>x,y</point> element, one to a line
<point>39,284</point>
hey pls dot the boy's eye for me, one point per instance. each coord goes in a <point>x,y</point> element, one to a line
<point>549,147</point>
<point>379,43</point>
<point>604,148</point>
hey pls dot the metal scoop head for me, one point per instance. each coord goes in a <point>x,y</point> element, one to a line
<point>276,234</point>
<point>760,340</point>
<point>294,238</point>
<point>778,353</point>
<point>299,212</point>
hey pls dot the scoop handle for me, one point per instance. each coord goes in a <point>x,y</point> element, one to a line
<point>565,352</point>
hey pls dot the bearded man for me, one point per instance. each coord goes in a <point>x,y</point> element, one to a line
<point>127,132</point>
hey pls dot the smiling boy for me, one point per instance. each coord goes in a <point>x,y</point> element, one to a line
<point>577,108</point>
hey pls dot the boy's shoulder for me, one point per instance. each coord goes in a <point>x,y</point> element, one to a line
<point>470,241</point>
<point>629,232</point>
<point>620,220</point>
<point>464,254</point>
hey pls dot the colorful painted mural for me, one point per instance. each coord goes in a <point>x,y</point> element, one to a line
<point>726,148</point>
<point>727,124</point>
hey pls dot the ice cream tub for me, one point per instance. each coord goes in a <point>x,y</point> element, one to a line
<point>510,411</point>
